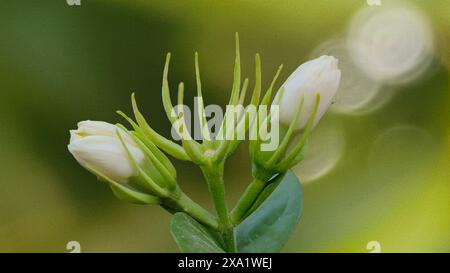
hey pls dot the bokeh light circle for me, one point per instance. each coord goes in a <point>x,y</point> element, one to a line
<point>401,150</point>
<point>324,150</point>
<point>391,44</point>
<point>356,90</point>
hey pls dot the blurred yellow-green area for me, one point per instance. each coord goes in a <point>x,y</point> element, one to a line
<point>384,174</point>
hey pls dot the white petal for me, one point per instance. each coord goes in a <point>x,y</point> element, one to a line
<point>90,127</point>
<point>74,136</point>
<point>101,128</point>
<point>321,76</point>
<point>106,155</point>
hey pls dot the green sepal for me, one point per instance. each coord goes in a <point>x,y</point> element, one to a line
<point>125,193</point>
<point>154,183</point>
<point>292,156</point>
<point>165,144</point>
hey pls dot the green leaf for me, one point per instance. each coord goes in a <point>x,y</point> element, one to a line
<point>191,236</point>
<point>268,228</point>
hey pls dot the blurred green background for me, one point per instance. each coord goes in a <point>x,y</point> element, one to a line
<point>60,64</point>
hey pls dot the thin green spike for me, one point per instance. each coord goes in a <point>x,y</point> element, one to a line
<point>268,118</point>
<point>167,145</point>
<point>234,98</point>
<point>156,151</point>
<point>197,76</point>
<point>222,150</point>
<point>265,101</point>
<point>255,97</point>
<point>180,113</point>
<point>280,97</point>
<point>191,147</point>
<point>267,97</point>
<point>257,89</point>
<point>180,100</point>
<point>138,197</point>
<point>201,108</point>
<point>237,76</point>
<point>159,165</point>
<point>132,196</point>
<point>299,157</point>
<point>286,163</point>
<point>241,120</point>
<point>129,120</point>
<point>167,102</point>
<point>243,92</point>
<point>152,184</point>
<point>161,162</point>
<point>287,138</point>
<point>229,145</point>
<point>130,157</point>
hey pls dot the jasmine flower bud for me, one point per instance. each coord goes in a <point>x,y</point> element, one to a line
<point>319,76</point>
<point>96,146</point>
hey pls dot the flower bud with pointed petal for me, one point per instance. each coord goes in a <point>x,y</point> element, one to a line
<point>95,145</point>
<point>318,76</point>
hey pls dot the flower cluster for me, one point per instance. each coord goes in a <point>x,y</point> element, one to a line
<point>135,164</point>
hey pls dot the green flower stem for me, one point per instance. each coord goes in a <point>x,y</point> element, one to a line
<point>214,177</point>
<point>246,201</point>
<point>187,205</point>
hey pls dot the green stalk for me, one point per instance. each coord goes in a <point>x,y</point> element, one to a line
<point>246,201</point>
<point>187,205</point>
<point>214,177</point>
<point>260,180</point>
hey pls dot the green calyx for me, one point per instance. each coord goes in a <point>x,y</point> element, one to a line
<point>268,164</point>
<point>282,159</point>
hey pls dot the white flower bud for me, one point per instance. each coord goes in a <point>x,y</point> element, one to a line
<point>320,75</point>
<point>95,145</point>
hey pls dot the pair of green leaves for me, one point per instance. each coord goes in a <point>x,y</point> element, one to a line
<point>266,229</point>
